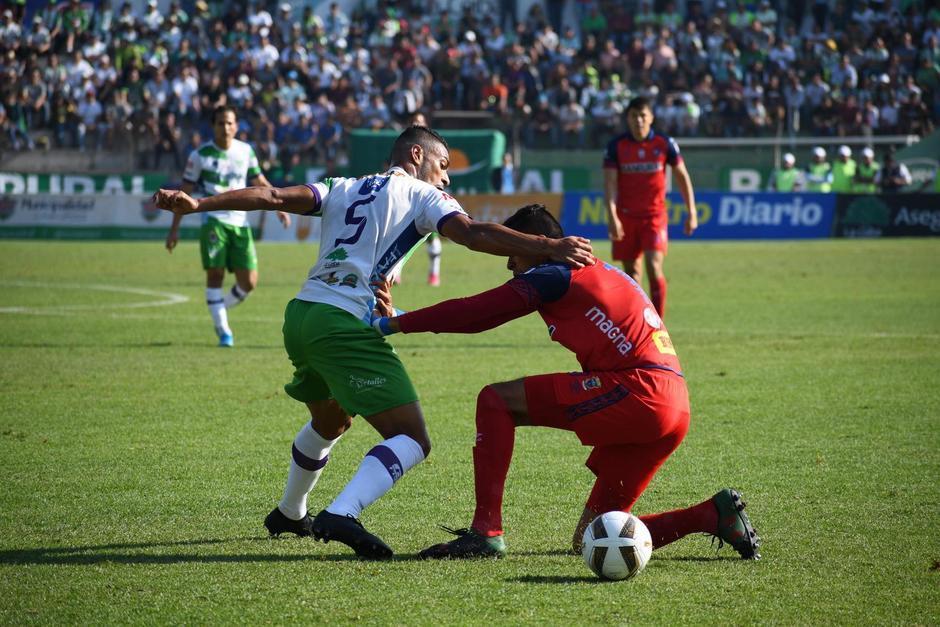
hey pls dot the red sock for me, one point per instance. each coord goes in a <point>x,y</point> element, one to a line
<point>496,435</point>
<point>658,294</point>
<point>668,527</point>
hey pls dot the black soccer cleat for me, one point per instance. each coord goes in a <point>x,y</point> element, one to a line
<point>734,525</point>
<point>277,523</point>
<point>348,530</point>
<point>469,544</point>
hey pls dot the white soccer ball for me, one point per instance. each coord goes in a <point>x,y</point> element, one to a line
<point>616,545</point>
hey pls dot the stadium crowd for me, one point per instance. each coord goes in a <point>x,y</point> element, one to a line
<point>146,81</point>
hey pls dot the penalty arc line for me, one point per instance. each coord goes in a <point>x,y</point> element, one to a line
<point>164,298</point>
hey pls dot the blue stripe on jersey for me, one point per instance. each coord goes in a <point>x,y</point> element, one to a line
<point>550,280</point>
<point>317,201</point>
<point>399,248</point>
<point>441,222</point>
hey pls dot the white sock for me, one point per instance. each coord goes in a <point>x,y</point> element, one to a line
<point>235,296</point>
<point>309,455</point>
<point>216,304</point>
<point>380,469</point>
<point>434,255</point>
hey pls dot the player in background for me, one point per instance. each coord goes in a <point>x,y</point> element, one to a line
<point>843,171</point>
<point>635,196</point>
<point>629,403</point>
<point>225,239</point>
<point>819,172</point>
<point>342,366</point>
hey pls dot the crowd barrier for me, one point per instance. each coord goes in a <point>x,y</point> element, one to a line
<point>722,216</point>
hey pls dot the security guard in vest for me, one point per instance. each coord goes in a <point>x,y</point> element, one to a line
<point>843,171</point>
<point>819,172</point>
<point>787,178</point>
<point>865,172</point>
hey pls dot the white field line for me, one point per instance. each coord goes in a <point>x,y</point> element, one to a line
<point>162,298</point>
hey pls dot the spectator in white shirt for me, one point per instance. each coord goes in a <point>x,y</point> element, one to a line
<point>89,114</point>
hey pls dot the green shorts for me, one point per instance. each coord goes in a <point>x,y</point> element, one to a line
<point>337,356</point>
<point>225,246</point>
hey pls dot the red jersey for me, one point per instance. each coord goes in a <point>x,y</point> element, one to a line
<point>597,312</point>
<point>641,172</point>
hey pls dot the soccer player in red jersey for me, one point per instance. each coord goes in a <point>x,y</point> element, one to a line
<point>635,196</point>
<point>629,403</point>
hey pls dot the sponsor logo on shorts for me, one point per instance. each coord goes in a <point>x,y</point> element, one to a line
<point>361,383</point>
<point>593,383</point>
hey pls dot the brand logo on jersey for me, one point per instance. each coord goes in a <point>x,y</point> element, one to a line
<point>551,330</point>
<point>329,279</point>
<point>606,326</point>
<point>663,342</point>
<point>652,318</point>
<point>339,254</point>
<point>593,383</point>
<point>642,167</point>
<point>350,280</point>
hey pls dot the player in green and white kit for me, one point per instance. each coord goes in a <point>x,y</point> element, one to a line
<point>342,366</point>
<point>225,239</point>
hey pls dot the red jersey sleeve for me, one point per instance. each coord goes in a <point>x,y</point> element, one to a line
<point>472,314</point>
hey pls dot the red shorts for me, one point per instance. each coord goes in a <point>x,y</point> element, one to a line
<point>634,419</point>
<point>641,234</point>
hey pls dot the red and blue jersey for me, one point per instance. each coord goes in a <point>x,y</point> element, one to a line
<point>597,312</point>
<point>641,172</point>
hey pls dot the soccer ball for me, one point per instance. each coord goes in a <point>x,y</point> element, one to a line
<point>616,545</point>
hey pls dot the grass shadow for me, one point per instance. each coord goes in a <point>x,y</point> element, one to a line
<point>556,579</point>
<point>146,553</point>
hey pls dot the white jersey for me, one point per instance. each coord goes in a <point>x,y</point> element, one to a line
<point>370,227</point>
<point>213,171</point>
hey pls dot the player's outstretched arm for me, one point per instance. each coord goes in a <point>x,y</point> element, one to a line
<point>495,239</point>
<point>473,314</point>
<point>684,181</point>
<point>298,199</point>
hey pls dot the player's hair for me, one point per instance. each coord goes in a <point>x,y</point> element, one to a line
<point>222,109</point>
<point>535,220</point>
<point>640,102</point>
<point>421,135</point>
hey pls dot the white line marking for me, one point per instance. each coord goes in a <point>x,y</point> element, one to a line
<point>164,298</point>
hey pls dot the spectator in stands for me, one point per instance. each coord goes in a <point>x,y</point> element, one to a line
<point>89,114</point>
<point>541,129</point>
<point>571,118</point>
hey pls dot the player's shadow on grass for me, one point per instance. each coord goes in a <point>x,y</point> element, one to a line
<point>554,579</point>
<point>139,553</point>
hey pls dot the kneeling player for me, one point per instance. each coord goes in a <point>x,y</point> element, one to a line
<point>630,403</point>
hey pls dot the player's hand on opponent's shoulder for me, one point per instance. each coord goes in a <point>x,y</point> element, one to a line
<point>177,201</point>
<point>575,251</point>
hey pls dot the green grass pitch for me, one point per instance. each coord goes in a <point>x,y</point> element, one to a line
<point>138,460</point>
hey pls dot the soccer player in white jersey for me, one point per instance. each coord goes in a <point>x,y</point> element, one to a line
<point>342,366</point>
<point>225,239</point>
